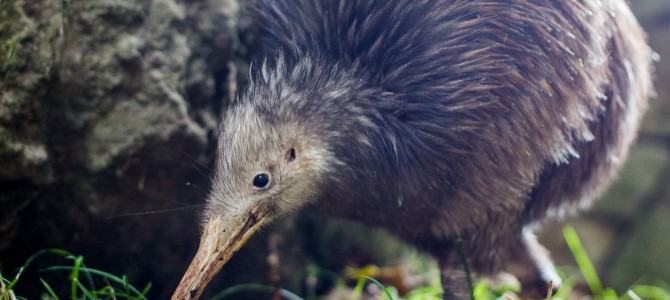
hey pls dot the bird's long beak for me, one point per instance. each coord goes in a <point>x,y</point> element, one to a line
<point>219,241</point>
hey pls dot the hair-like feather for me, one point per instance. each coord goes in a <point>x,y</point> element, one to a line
<point>446,119</point>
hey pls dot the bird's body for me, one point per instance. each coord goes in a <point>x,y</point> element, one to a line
<point>436,120</point>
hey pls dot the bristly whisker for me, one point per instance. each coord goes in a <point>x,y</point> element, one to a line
<point>199,166</point>
<point>155,211</point>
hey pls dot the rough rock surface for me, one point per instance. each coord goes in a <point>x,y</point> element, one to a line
<point>109,108</point>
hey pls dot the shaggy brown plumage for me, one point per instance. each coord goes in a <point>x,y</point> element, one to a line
<point>436,120</point>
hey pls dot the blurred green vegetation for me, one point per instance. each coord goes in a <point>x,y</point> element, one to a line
<point>369,282</point>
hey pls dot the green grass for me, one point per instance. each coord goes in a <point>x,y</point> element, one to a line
<point>593,280</point>
<point>585,265</point>
<point>84,283</point>
<point>87,283</point>
<point>482,290</point>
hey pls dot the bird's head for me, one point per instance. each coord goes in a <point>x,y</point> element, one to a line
<point>268,165</point>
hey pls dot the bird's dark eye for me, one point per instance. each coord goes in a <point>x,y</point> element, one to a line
<point>261,181</point>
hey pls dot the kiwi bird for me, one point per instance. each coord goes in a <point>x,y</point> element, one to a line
<point>437,120</point>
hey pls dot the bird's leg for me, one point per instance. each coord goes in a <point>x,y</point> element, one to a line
<point>454,284</point>
<point>531,264</point>
<point>454,278</point>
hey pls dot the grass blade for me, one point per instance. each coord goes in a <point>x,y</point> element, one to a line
<point>49,289</point>
<point>651,292</point>
<point>126,285</point>
<point>146,289</point>
<point>32,258</point>
<point>358,289</point>
<point>468,276</point>
<point>379,284</point>
<point>252,287</point>
<point>84,290</point>
<point>106,275</point>
<point>583,261</point>
<point>74,276</point>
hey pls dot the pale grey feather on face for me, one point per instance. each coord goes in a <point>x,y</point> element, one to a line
<point>288,159</point>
